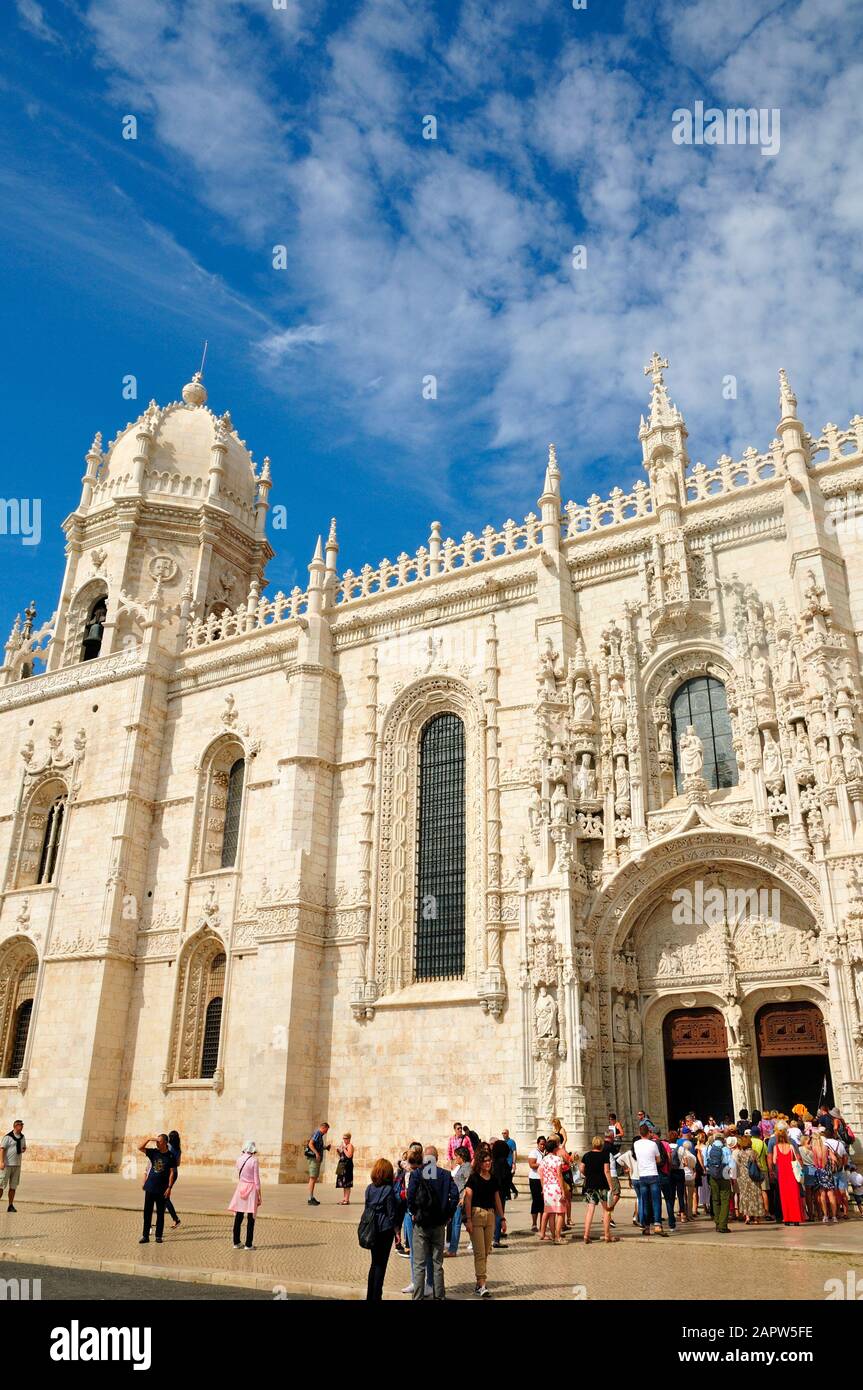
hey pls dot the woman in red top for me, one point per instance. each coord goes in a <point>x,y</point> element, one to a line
<point>782,1160</point>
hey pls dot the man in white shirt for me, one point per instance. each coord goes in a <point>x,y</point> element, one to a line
<point>12,1147</point>
<point>646,1153</point>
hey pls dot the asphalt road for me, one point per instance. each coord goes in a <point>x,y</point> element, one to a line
<point>86,1285</point>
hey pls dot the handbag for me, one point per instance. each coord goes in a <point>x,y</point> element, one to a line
<point>308,1152</point>
<point>797,1170</point>
<point>755,1172</point>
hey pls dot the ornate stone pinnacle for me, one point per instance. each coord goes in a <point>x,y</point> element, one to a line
<point>655,368</point>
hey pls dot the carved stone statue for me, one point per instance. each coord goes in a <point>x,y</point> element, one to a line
<point>545,1014</point>
<point>691,753</point>
<point>588,1019</point>
<point>802,754</point>
<point>619,1022</point>
<point>669,960</point>
<point>585,778</point>
<point>760,671</point>
<point>666,747</point>
<point>822,763</point>
<point>665,485</point>
<point>557,766</point>
<point>582,704</point>
<point>772,757</point>
<point>618,702</point>
<point>534,809</point>
<point>633,1020</point>
<point>852,758</point>
<point>549,669</point>
<point>790,664</point>
<point>621,778</point>
<point>734,1022</point>
<point>559,805</point>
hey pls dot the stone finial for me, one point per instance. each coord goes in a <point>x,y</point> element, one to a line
<point>265,471</point>
<point>662,411</point>
<point>787,398</point>
<point>195,392</point>
<point>331,538</point>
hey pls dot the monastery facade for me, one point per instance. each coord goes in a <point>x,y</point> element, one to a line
<point>556,819</point>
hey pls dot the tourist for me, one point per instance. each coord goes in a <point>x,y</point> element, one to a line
<point>247,1196</point>
<point>414,1161</point>
<point>759,1154</point>
<point>676,1176</point>
<point>614,1130</point>
<point>610,1150</point>
<point>483,1206</point>
<point>855,1187</point>
<point>781,1158</point>
<point>345,1169</point>
<point>513,1156</point>
<point>500,1155</point>
<point>596,1171</point>
<point>810,1173</point>
<point>458,1140</point>
<point>743,1122</point>
<point>750,1179</point>
<point>535,1183</point>
<point>647,1155</point>
<point>381,1199</point>
<point>719,1163</point>
<point>473,1139</point>
<point>400,1189</point>
<point>432,1200</point>
<point>840,1158</point>
<point>824,1160</point>
<point>460,1174</point>
<point>689,1171</point>
<point>666,1182</point>
<point>701,1172</point>
<point>625,1162</point>
<point>550,1170</point>
<point>12,1150</point>
<point>156,1184</point>
<point>315,1156</point>
<point>177,1152</point>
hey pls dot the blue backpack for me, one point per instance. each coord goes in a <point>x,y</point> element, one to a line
<point>714,1159</point>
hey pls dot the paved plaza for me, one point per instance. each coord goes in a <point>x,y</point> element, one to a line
<point>92,1222</point>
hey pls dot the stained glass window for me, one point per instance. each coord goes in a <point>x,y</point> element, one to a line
<point>440,936</point>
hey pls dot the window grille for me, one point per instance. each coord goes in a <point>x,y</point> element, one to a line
<point>213,1018</point>
<point>701,702</point>
<point>19,1037</point>
<point>440,886</point>
<point>232,814</point>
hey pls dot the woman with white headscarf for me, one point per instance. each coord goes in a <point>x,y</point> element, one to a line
<point>247,1195</point>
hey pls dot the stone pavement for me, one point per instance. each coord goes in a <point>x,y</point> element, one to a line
<point>92,1221</point>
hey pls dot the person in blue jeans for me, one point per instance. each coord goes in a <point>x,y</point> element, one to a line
<point>460,1175</point>
<point>415,1160</point>
<point>647,1155</point>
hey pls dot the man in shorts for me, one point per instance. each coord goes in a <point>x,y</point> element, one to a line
<point>12,1147</point>
<point>315,1157</point>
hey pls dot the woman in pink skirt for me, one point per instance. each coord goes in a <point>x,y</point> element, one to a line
<point>247,1195</point>
<point>550,1169</point>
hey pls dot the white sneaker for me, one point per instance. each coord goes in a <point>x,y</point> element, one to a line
<point>237,1245</point>
<point>408,1289</point>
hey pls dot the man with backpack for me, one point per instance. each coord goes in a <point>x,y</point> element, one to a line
<point>718,1163</point>
<point>432,1198</point>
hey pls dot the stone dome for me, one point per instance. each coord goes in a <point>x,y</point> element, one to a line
<point>180,456</point>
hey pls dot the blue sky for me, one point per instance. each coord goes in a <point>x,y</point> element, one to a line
<point>302,126</point>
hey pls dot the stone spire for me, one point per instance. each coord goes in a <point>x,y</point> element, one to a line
<point>549,503</point>
<point>662,411</point>
<point>787,398</point>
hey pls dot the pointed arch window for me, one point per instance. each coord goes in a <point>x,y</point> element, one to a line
<point>440,886</point>
<point>18,974</point>
<point>197,1028</point>
<point>231,833</point>
<point>702,703</point>
<point>51,841</point>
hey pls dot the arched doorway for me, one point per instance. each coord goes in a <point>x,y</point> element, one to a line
<point>792,1055</point>
<point>697,1074</point>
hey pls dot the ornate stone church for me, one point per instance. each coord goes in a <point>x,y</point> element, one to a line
<point>562,817</point>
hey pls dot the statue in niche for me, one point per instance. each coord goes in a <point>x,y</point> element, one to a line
<point>822,763</point>
<point>802,755</point>
<point>618,702</point>
<point>621,778</point>
<point>620,1027</point>
<point>557,767</point>
<point>790,664</point>
<point>588,1019</point>
<point>852,758</point>
<point>633,1020</point>
<point>734,1021</point>
<point>559,805</point>
<point>665,485</point>
<point>666,747</point>
<point>534,810</point>
<point>772,757</point>
<point>585,778</point>
<point>760,671</point>
<point>549,669</point>
<point>545,1014</point>
<point>582,702</point>
<point>691,753</point>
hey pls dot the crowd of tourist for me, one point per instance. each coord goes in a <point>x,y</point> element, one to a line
<point>788,1169</point>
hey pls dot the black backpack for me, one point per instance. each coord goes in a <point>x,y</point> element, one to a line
<point>427,1209</point>
<point>370,1226</point>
